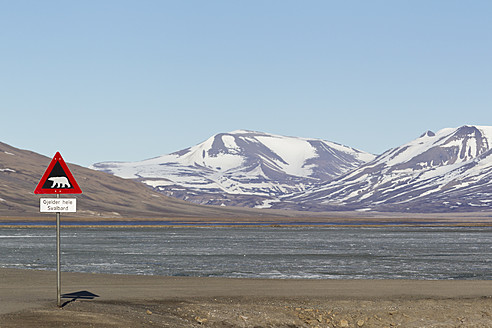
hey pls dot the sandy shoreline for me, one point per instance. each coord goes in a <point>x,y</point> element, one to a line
<point>322,220</point>
<point>28,298</point>
<point>138,224</point>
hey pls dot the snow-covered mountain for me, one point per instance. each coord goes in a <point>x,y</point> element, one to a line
<point>242,168</point>
<point>450,170</point>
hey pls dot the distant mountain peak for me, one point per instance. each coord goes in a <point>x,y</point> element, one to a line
<point>448,171</point>
<point>243,131</point>
<point>428,133</point>
<point>242,162</point>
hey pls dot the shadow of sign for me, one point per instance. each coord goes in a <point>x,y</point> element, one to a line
<point>82,295</point>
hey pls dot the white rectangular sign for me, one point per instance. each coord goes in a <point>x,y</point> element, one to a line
<point>67,205</point>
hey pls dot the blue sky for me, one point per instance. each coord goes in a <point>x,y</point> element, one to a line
<point>129,80</point>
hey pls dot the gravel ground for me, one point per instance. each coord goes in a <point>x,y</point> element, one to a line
<point>254,312</point>
<point>28,299</point>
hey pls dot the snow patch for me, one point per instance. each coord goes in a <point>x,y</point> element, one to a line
<point>158,183</point>
<point>230,142</point>
<point>367,209</point>
<point>266,204</point>
<point>294,153</point>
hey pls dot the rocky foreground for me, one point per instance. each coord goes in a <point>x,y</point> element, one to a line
<point>28,299</point>
<point>248,312</point>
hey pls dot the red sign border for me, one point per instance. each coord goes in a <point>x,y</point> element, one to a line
<point>39,188</point>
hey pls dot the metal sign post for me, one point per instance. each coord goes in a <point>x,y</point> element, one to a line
<point>57,179</point>
<point>58,252</point>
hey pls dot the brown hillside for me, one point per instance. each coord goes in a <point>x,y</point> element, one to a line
<point>104,195</point>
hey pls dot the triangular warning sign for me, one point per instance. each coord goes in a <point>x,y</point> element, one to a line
<point>57,179</point>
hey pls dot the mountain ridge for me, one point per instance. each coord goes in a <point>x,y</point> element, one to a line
<point>446,172</point>
<point>450,170</point>
<point>241,167</point>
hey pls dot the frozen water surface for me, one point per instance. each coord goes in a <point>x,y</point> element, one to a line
<point>258,252</point>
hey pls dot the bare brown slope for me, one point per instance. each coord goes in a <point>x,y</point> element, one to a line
<point>104,195</point>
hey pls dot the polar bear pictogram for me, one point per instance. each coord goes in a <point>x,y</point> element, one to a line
<point>59,182</point>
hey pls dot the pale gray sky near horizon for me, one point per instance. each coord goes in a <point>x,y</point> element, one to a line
<point>117,80</point>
